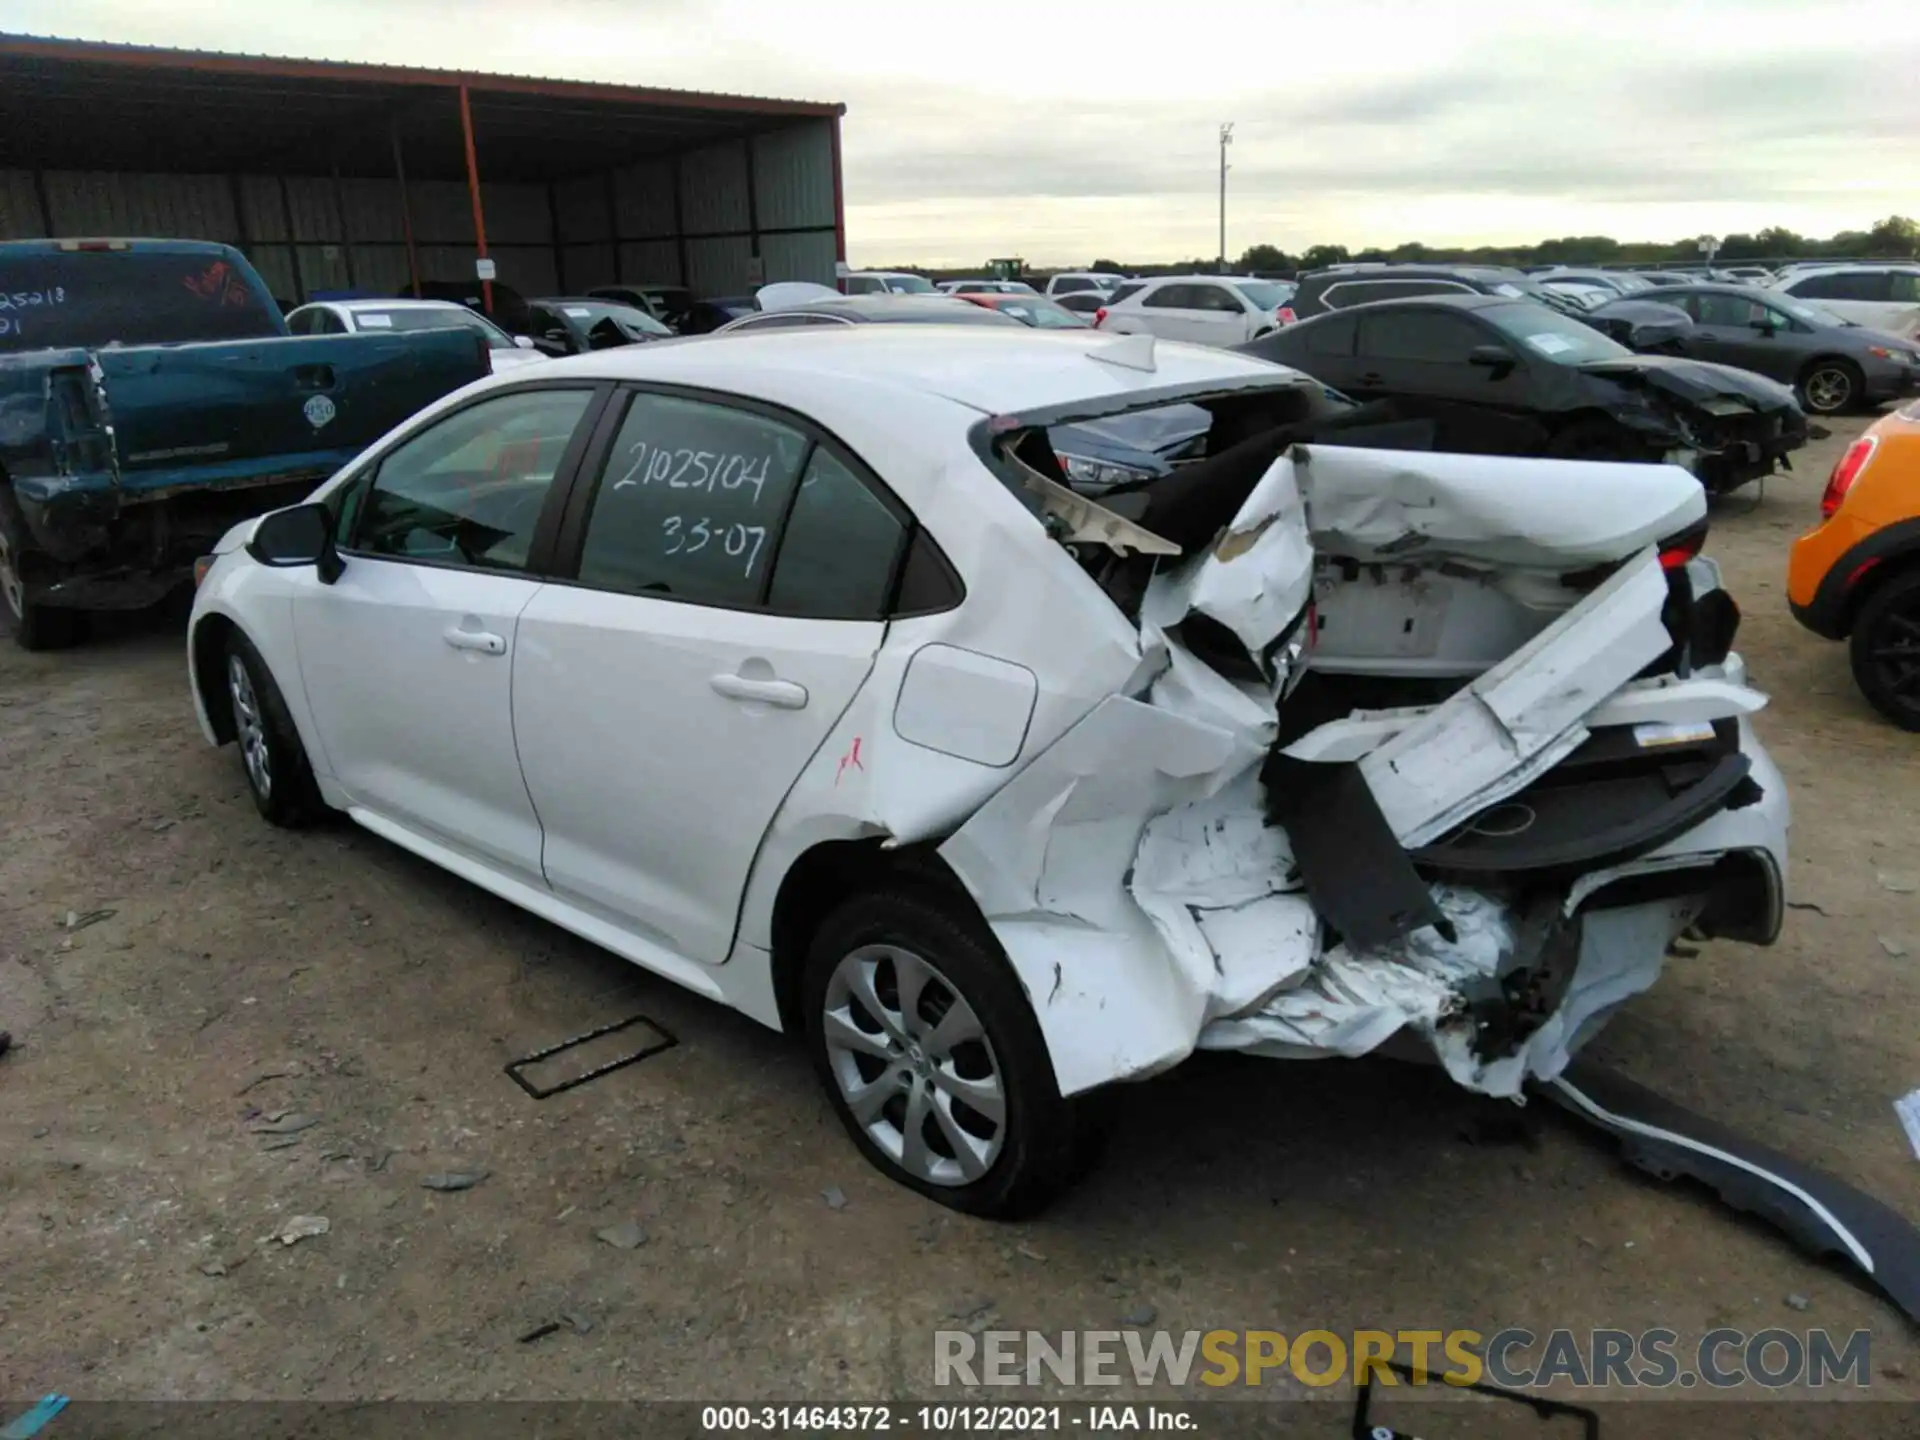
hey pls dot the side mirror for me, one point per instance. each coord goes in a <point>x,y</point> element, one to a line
<point>524,342</point>
<point>1493,358</point>
<point>1765,324</point>
<point>288,539</point>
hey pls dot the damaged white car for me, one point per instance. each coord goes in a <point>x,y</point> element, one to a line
<point>788,668</point>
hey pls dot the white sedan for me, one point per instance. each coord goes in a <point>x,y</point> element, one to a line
<point>383,317</point>
<point>787,668</point>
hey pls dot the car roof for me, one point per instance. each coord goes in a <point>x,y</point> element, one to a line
<point>370,303</point>
<point>990,368</point>
<point>880,307</point>
<point>577,300</point>
<point>1473,301</point>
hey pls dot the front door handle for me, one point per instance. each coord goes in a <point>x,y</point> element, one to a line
<point>481,640</point>
<point>782,693</point>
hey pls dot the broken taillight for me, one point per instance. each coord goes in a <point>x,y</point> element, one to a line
<point>1846,472</point>
<point>1098,316</point>
<point>1677,550</point>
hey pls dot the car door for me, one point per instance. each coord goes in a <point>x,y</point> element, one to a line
<point>407,657</point>
<point>1169,311</point>
<point>1421,352</point>
<point>1738,330</point>
<point>729,570</point>
<point>1219,316</point>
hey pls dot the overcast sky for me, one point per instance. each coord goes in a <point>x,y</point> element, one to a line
<point>1059,130</point>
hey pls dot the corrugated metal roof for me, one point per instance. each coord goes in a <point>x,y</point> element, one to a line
<point>62,47</point>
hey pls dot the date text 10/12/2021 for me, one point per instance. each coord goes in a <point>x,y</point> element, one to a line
<point>946,1419</point>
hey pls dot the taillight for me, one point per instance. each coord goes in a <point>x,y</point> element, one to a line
<point>200,569</point>
<point>1677,550</point>
<point>1099,316</point>
<point>1286,315</point>
<point>1846,472</point>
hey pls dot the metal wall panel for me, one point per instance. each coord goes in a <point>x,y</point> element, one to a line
<point>718,267</point>
<point>86,202</point>
<point>793,177</point>
<point>643,200</point>
<point>582,206</point>
<point>260,207</point>
<point>713,189</point>
<point>588,266</point>
<point>528,270</point>
<point>275,265</point>
<point>19,207</point>
<point>651,262</point>
<point>373,210</point>
<point>807,256</point>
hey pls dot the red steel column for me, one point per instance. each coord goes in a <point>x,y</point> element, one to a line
<point>473,189</point>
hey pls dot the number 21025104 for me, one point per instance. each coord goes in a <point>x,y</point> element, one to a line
<point>707,470</point>
<point>690,537</point>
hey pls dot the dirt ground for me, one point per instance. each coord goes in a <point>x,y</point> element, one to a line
<point>235,972</point>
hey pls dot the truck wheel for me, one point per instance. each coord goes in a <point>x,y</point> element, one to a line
<point>1885,649</point>
<point>33,626</point>
<point>932,1058</point>
<point>278,775</point>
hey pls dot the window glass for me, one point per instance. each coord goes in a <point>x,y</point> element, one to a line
<point>1171,297</point>
<point>1717,309</point>
<point>837,557</point>
<point>1839,285</point>
<point>1215,297</point>
<point>1067,284</point>
<point>1906,287</point>
<point>1331,336</point>
<point>691,502</point>
<point>1265,294</point>
<point>863,285</point>
<point>1125,292</point>
<point>1424,335</point>
<point>1549,334</point>
<point>468,491</point>
<point>133,297</point>
<point>1361,292</point>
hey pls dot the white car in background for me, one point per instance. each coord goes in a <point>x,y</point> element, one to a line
<point>384,317</point>
<point>1202,309</point>
<point>725,656</point>
<point>886,282</point>
<point>986,287</point>
<point>1073,282</point>
<point>1880,297</point>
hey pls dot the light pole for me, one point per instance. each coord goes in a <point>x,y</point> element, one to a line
<point>1226,139</point>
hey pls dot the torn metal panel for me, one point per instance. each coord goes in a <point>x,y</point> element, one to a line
<point>1468,752</point>
<point>1825,1215</point>
<point>1559,515</point>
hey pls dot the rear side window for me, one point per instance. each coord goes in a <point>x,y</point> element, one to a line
<point>840,549</point>
<point>1842,285</point>
<point>1173,297</point>
<point>1906,287</point>
<point>1332,335</point>
<point>1215,297</point>
<point>1125,292</point>
<point>1360,292</point>
<point>691,502</point>
<point>1067,284</point>
<point>468,491</point>
<point>130,297</point>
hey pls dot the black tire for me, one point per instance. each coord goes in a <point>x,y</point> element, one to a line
<point>1885,649</point>
<point>1596,439</point>
<point>33,626</point>
<point>1044,1141</point>
<point>272,759</point>
<point>1830,386</point>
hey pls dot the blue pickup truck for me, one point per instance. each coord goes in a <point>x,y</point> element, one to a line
<point>151,396</point>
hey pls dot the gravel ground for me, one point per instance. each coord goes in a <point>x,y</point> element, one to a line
<point>223,973</point>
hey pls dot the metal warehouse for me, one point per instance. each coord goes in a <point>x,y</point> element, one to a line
<point>376,178</point>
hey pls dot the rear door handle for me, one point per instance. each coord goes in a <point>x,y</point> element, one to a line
<point>782,693</point>
<point>481,640</point>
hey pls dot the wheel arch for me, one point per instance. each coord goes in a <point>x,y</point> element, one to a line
<point>207,649</point>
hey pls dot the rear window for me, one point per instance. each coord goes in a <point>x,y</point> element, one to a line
<point>1067,284</point>
<point>1125,292</point>
<point>1265,294</point>
<point>909,285</point>
<point>1041,316</point>
<point>423,319</point>
<point>128,297</point>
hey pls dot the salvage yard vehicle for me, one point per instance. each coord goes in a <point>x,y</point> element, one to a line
<point>150,396</point>
<point>1082,282</point>
<point>573,325</point>
<point>886,282</point>
<point>386,317</point>
<point>669,304</point>
<point>1506,376</point>
<point>1882,297</point>
<point>786,668</point>
<point>1203,309</point>
<point>1029,309</point>
<point>1834,364</point>
<point>1856,576</point>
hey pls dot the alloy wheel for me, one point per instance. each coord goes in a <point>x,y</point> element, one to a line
<point>251,725</point>
<point>1895,653</point>
<point>914,1065</point>
<point>12,588</point>
<point>1829,389</point>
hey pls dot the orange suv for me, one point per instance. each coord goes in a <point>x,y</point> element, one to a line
<point>1857,577</point>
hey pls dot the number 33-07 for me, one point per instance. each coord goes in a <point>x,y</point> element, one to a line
<point>739,541</point>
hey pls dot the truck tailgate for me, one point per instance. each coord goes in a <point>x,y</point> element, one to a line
<point>235,412</point>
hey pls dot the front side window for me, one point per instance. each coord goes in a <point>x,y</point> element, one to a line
<point>1216,298</point>
<point>691,503</point>
<point>1731,310</point>
<point>1431,336</point>
<point>863,285</point>
<point>468,490</point>
<point>1171,297</point>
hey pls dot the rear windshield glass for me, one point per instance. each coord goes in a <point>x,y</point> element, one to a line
<point>1042,316</point>
<point>910,285</point>
<point>1265,294</point>
<point>591,312</point>
<point>103,297</point>
<point>425,319</point>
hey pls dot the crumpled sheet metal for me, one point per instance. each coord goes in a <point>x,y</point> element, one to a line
<point>1148,908</point>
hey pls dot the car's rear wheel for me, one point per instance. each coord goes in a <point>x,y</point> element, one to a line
<point>1885,649</point>
<point>1829,387</point>
<point>932,1058</point>
<point>33,626</point>
<point>279,777</point>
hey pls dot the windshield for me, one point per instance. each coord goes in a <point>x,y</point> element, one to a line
<point>129,298</point>
<point>1806,314</point>
<point>1265,294</point>
<point>1041,315</point>
<point>909,285</point>
<point>422,318</point>
<point>1560,338</point>
<point>587,314</point>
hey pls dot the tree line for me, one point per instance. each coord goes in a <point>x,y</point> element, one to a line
<point>1895,238</point>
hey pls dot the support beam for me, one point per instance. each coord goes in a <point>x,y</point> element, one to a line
<point>346,226</point>
<point>679,221</point>
<point>473,190</point>
<point>293,244</point>
<point>46,209</point>
<point>553,231</point>
<point>406,209</point>
<point>753,208</point>
<point>613,224</point>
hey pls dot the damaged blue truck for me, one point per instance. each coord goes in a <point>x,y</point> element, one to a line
<point>151,396</point>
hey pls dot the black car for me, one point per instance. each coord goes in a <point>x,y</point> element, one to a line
<point>1506,376</point>
<point>1832,364</point>
<point>1342,288</point>
<point>572,325</point>
<point>703,317</point>
<point>668,304</point>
